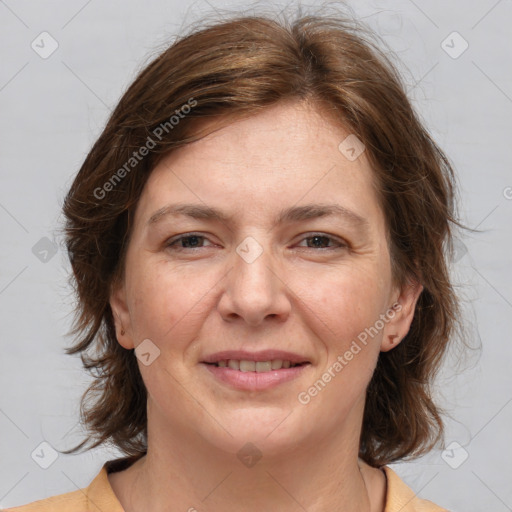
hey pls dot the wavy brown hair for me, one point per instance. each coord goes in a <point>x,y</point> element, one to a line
<point>234,68</point>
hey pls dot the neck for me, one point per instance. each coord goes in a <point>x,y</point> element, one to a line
<point>185,471</point>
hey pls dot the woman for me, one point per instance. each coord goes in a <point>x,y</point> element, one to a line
<point>258,244</point>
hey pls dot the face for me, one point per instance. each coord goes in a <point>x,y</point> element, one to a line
<point>258,247</point>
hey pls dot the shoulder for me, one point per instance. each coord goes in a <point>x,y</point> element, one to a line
<point>401,498</point>
<point>69,502</point>
<point>97,497</point>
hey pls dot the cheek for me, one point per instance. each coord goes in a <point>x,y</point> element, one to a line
<point>339,308</point>
<point>166,303</point>
<point>342,303</point>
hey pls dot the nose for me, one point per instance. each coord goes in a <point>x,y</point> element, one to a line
<point>254,291</point>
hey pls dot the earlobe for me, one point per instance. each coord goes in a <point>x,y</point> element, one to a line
<point>398,326</point>
<point>391,342</point>
<point>121,316</point>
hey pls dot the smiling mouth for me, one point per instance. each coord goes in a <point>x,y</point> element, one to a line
<point>245,365</point>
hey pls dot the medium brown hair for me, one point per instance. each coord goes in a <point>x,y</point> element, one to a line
<point>231,69</point>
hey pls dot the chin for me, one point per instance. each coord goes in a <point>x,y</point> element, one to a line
<point>270,430</point>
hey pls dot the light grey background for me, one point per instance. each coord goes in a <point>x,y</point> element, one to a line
<point>53,109</point>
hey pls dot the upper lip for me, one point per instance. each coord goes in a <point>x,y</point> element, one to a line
<point>262,355</point>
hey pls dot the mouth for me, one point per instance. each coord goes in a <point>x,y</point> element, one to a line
<point>246,365</point>
<point>255,371</point>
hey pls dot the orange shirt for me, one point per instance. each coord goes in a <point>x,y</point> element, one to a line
<point>99,496</point>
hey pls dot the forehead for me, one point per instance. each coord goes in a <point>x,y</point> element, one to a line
<point>287,154</point>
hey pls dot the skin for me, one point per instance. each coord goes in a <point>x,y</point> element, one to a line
<point>302,295</point>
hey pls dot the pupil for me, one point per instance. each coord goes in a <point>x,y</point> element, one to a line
<point>187,240</point>
<point>316,239</point>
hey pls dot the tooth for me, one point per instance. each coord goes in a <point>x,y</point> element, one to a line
<point>263,366</point>
<point>247,366</point>
<point>234,364</point>
<point>277,364</point>
<point>259,366</point>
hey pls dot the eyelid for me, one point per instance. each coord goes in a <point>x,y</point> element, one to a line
<point>171,241</point>
<point>340,243</point>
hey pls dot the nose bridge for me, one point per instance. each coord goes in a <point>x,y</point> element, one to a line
<point>254,271</point>
<point>254,290</point>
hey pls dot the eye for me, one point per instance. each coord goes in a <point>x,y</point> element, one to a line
<point>191,241</point>
<point>321,241</point>
<point>188,241</point>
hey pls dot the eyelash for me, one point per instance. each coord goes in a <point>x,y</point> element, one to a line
<point>171,244</point>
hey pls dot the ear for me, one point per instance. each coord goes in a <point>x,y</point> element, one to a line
<point>121,316</point>
<point>400,315</point>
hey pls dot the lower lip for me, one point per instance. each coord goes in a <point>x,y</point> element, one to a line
<point>255,381</point>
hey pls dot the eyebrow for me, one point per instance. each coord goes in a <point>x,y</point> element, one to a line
<point>288,215</point>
